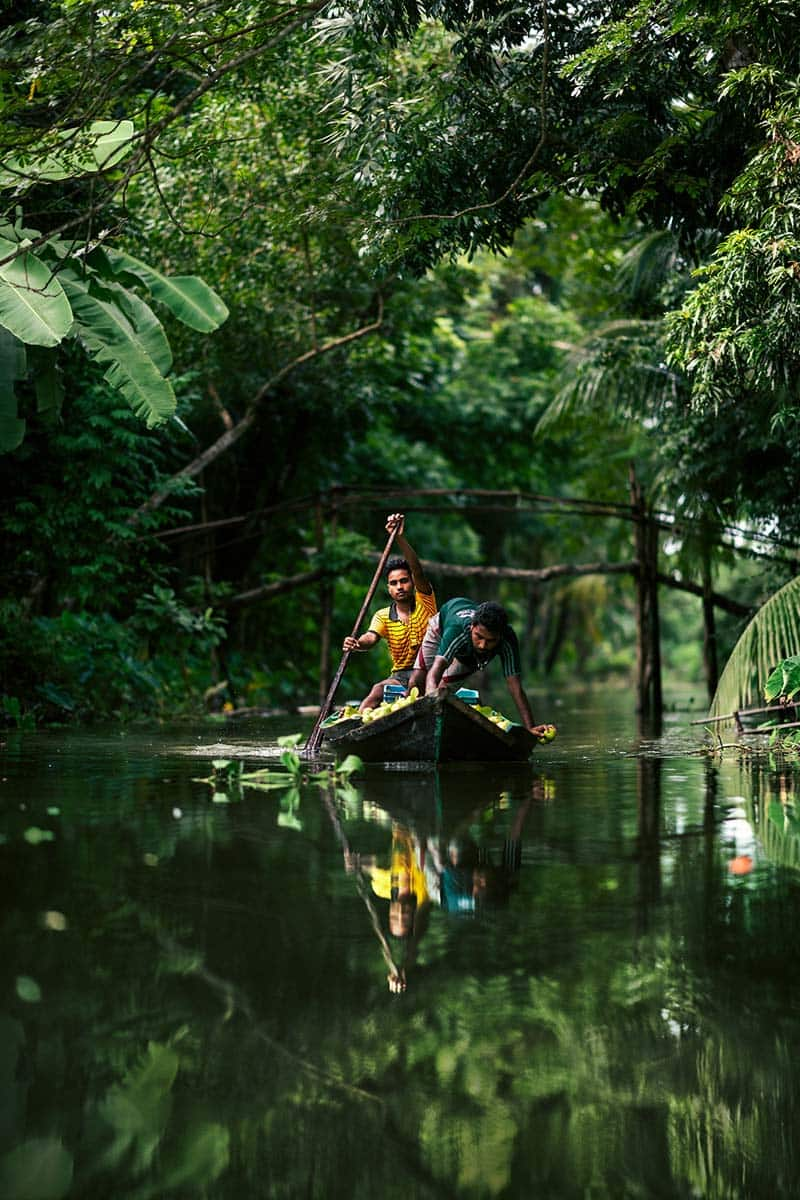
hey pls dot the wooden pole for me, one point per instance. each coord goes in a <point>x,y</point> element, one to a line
<point>654,627</point>
<point>649,698</point>
<point>639,554</point>
<point>315,737</point>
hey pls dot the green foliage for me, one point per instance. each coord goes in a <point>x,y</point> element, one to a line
<point>13,367</point>
<point>784,679</point>
<point>13,711</point>
<point>187,297</point>
<point>33,306</point>
<point>773,635</point>
<point>61,154</point>
<point>317,181</point>
<point>85,298</point>
<point>91,666</point>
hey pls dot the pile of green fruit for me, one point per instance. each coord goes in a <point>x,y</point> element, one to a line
<point>386,707</point>
<point>494,716</point>
<point>374,714</point>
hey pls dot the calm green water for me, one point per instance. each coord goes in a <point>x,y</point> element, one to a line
<point>194,997</point>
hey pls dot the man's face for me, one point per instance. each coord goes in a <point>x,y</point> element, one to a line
<point>483,640</point>
<point>400,584</point>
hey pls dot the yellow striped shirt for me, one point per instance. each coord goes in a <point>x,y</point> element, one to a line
<point>404,637</point>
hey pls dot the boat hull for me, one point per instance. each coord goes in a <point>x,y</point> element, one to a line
<point>435,729</point>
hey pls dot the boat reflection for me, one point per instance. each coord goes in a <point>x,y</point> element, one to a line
<point>453,845</point>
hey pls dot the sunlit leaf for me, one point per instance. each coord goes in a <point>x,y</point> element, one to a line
<point>188,297</point>
<point>70,154</point>
<point>200,1158</point>
<point>33,305</point>
<point>110,337</point>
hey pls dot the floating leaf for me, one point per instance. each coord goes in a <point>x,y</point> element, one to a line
<point>349,765</point>
<point>34,835</point>
<point>28,989</point>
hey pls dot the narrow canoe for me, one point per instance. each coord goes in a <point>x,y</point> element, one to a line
<point>434,729</point>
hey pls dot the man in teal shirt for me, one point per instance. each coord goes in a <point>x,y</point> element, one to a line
<point>464,637</point>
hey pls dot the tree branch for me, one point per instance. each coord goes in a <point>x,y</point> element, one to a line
<point>268,590</point>
<point>232,435</point>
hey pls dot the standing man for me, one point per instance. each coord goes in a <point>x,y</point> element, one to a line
<point>464,637</point>
<point>404,622</point>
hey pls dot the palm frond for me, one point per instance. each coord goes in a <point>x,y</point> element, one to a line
<point>773,634</point>
<point>619,368</point>
<point>647,266</point>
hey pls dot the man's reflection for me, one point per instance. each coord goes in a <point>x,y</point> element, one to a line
<point>474,878</point>
<point>453,872</point>
<point>404,883</point>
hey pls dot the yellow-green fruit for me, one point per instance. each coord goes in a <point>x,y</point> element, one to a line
<point>550,732</point>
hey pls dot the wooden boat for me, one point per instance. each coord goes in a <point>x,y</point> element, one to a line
<point>434,729</point>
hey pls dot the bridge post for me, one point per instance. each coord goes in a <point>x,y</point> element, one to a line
<point>649,697</point>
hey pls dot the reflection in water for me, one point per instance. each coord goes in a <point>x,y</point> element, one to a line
<point>194,1001</point>
<point>431,865</point>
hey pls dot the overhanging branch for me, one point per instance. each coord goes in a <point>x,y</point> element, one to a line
<point>231,436</point>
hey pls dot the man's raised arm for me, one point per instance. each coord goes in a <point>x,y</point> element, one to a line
<point>421,581</point>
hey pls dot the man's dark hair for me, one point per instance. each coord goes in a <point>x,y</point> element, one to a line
<point>491,616</point>
<point>396,564</point>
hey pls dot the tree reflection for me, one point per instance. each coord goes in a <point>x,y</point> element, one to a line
<point>616,1019</point>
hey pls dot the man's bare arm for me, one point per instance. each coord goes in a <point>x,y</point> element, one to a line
<point>519,697</point>
<point>421,581</point>
<point>364,641</point>
<point>436,674</point>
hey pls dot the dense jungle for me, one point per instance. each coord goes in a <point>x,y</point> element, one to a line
<point>270,272</point>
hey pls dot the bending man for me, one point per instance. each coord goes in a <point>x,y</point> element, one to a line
<point>404,622</point>
<point>464,637</point>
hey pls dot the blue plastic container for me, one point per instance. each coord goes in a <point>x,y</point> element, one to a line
<point>392,692</point>
<point>468,695</point>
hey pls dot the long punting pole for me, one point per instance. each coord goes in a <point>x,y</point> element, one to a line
<point>315,737</point>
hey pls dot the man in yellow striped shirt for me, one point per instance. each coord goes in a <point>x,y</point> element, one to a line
<point>404,622</point>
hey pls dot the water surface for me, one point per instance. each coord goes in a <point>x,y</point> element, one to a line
<point>599,996</point>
